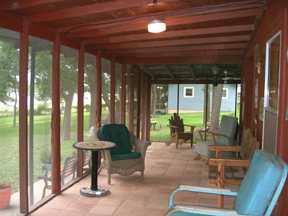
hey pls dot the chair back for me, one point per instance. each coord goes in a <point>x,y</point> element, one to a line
<point>249,144</point>
<point>262,185</point>
<point>118,134</point>
<point>177,122</point>
<point>69,168</point>
<point>228,127</point>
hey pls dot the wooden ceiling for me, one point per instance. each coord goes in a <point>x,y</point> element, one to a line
<point>198,31</point>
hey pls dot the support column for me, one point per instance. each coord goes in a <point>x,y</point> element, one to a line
<point>31,126</point>
<point>139,100</point>
<point>56,117</point>
<point>123,93</point>
<point>236,100</point>
<point>143,106</point>
<point>98,90</point>
<point>178,89</point>
<point>23,124</point>
<point>148,114</point>
<point>80,108</point>
<point>131,101</point>
<point>112,92</point>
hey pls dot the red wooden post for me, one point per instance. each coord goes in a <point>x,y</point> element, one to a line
<point>112,92</point>
<point>148,113</point>
<point>56,117</point>
<point>123,93</point>
<point>98,90</point>
<point>131,101</point>
<point>143,107</point>
<point>139,100</point>
<point>80,109</point>
<point>23,110</point>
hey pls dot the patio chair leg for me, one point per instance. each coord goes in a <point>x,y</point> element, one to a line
<point>142,173</point>
<point>44,192</point>
<point>109,178</point>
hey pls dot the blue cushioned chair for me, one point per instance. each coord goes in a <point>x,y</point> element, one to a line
<point>129,154</point>
<point>258,193</point>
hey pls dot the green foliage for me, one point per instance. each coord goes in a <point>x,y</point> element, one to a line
<point>9,67</point>
<point>42,109</point>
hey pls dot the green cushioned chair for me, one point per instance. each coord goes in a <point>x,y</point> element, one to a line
<point>129,154</point>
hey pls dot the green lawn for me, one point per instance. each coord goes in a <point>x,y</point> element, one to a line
<point>9,149</point>
<point>163,134</point>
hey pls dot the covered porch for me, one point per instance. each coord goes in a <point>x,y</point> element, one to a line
<point>69,66</point>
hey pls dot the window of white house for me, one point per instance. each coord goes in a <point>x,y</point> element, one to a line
<point>188,91</point>
<point>225,93</point>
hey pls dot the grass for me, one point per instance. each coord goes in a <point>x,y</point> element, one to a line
<point>9,148</point>
<point>163,134</point>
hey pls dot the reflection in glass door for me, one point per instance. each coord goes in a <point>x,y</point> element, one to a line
<point>271,100</point>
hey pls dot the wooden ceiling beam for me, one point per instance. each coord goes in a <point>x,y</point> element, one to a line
<point>172,34</point>
<point>182,60</point>
<point>141,24</point>
<point>187,12</point>
<point>193,81</point>
<point>191,54</point>
<point>24,4</point>
<point>180,42</point>
<point>86,10</point>
<point>216,47</point>
<point>170,71</point>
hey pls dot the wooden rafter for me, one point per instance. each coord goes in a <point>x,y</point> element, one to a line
<point>141,23</point>
<point>170,71</point>
<point>176,59</point>
<point>90,9</point>
<point>173,34</point>
<point>23,4</point>
<point>180,42</point>
<point>194,48</point>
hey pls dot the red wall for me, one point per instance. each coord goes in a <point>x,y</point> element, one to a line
<point>274,19</point>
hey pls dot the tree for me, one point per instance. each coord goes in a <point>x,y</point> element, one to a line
<point>9,67</point>
<point>68,87</point>
<point>91,81</point>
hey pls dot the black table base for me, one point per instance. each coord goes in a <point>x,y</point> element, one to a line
<point>94,191</point>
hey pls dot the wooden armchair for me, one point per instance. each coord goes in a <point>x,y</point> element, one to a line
<point>257,195</point>
<point>177,130</point>
<point>249,145</point>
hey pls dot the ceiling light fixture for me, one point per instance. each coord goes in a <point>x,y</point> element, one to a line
<point>156,26</point>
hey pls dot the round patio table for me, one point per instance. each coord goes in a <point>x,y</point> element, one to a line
<point>94,147</point>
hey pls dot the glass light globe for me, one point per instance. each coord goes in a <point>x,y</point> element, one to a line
<point>156,26</point>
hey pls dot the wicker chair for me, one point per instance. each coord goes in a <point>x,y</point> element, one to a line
<point>128,156</point>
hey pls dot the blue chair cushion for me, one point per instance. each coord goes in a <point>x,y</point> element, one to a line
<point>259,184</point>
<point>118,134</point>
<point>131,155</point>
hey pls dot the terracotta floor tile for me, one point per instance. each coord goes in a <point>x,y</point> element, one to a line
<point>166,168</point>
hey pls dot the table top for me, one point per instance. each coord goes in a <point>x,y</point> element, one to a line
<point>94,145</point>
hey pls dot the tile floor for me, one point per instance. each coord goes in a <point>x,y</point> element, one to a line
<point>166,167</point>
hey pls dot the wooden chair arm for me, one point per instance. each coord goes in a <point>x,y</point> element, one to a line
<point>192,127</point>
<point>220,148</point>
<point>228,162</point>
<point>215,134</point>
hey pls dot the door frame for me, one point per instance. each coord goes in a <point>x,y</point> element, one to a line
<point>266,86</point>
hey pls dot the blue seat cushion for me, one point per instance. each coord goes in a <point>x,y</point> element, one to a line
<point>131,155</point>
<point>258,186</point>
<point>118,134</point>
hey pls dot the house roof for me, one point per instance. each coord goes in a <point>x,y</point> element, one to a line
<point>198,31</point>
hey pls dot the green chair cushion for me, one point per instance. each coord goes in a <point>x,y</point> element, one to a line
<point>118,134</point>
<point>132,155</point>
